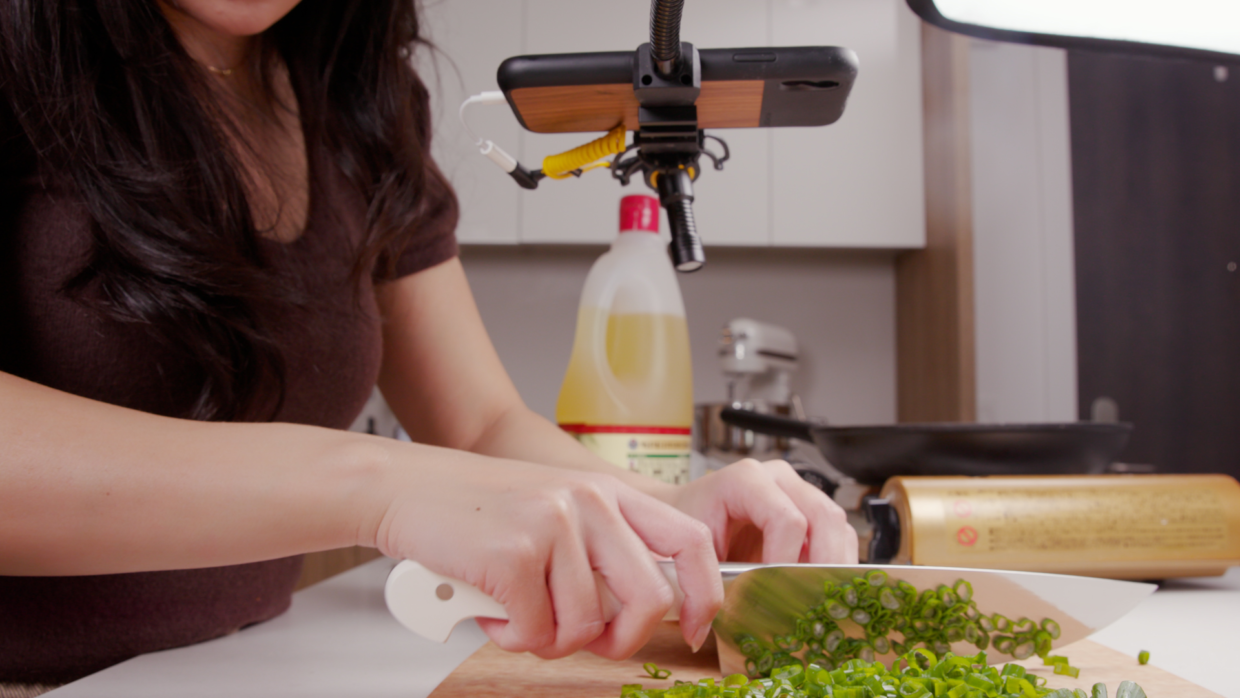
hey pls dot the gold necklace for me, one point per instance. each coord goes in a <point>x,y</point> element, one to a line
<point>223,72</point>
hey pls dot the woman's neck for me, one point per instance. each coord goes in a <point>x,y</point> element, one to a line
<point>218,52</point>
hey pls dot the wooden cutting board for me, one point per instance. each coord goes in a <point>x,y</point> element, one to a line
<point>494,673</point>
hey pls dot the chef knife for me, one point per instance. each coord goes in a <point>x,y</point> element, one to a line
<point>764,601</point>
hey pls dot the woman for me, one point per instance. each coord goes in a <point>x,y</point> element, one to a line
<point>222,227</point>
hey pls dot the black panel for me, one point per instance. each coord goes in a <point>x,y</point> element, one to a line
<point>616,67</point>
<point>1156,178</point>
<point>804,85</point>
<point>557,69</point>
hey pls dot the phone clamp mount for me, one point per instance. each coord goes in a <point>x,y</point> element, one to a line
<point>668,144</point>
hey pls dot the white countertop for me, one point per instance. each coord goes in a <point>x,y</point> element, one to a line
<point>339,640</point>
<point>1188,626</point>
<point>336,640</point>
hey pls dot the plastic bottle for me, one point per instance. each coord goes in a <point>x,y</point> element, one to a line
<point>628,390</point>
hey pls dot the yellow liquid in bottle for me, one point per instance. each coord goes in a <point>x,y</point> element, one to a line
<point>631,400</point>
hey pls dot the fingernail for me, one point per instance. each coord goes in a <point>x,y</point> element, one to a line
<point>700,638</point>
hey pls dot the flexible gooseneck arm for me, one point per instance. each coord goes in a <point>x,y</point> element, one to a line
<point>668,140</point>
<point>665,34</point>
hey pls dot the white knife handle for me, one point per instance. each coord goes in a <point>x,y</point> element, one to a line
<point>431,604</point>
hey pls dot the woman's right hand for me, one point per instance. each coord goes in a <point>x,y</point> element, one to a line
<point>532,538</point>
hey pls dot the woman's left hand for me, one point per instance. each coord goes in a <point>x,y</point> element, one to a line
<point>797,521</point>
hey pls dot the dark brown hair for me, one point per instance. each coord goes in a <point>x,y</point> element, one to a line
<point>103,94</point>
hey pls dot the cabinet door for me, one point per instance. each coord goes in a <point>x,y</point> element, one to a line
<point>858,182</point>
<point>472,38</point>
<point>731,206</point>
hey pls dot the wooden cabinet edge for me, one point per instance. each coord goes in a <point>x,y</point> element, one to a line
<point>935,371</point>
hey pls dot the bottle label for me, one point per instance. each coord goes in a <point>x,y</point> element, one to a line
<point>660,452</point>
<point>1102,521</point>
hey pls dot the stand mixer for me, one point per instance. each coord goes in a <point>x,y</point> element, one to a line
<point>758,360</point>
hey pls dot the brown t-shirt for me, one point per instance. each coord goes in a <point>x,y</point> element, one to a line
<point>54,629</point>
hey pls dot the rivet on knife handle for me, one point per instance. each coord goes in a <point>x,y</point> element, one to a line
<point>431,604</point>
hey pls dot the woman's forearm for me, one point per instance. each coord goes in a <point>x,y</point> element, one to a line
<point>90,488</point>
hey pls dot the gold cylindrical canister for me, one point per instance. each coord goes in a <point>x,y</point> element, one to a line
<point>1118,526</point>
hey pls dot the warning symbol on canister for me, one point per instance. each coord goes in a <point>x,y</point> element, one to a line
<point>966,536</point>
<point>962,508</point>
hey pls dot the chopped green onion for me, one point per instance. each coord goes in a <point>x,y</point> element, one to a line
<point>833,640</point>
<point>1024,625</point>
<point>971,633</point>
<point>1015,670</point>
<point>1044,641</point>
<point>946,595</point>
<point>918,674</point>
<point>934,620</point>
<point>888,599</point>
<point>837,610</point>
<point>1143,657</point>
<point>1067,670</point>
<point>1128,689</point>
<point>850,596</point>
<point>657,673</point>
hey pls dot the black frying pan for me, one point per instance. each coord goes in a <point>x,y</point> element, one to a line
<point>871,454</point>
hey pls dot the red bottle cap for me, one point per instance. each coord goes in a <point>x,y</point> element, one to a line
<point>639,212</point>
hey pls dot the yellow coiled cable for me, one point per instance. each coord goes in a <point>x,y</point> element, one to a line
<point>585,157</point>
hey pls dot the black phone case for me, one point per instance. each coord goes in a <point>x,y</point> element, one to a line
<point>802,85</point>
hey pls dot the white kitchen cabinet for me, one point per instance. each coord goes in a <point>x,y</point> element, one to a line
<point>472,38</point>
<point>858,182</point>
<point>1024,271</point>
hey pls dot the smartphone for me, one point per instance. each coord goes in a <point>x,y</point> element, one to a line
<point>741,88</point>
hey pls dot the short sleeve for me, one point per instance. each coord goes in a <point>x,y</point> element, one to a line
<point>429,243</point>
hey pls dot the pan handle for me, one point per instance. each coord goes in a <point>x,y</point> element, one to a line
<point>768,424</point>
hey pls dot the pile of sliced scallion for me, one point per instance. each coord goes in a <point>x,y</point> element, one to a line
<point>817,659</point>
<point>917,674</point>
<point>931,619</point>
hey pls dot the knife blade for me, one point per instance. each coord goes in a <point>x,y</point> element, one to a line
<point>764,601</point>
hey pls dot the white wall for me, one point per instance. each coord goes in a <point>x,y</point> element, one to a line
<point>840,304</point>
<point>1022,234</point>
